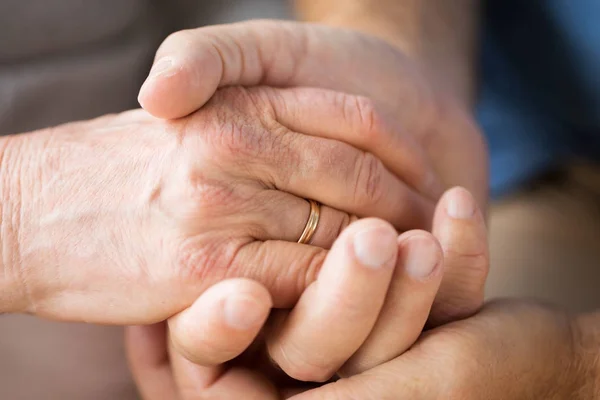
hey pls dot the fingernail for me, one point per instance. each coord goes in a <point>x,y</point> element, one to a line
<point>375,247</point>
<point>420,257</point>
<point>161,67</point>
<point>460,205</point>
<point>243,312</point>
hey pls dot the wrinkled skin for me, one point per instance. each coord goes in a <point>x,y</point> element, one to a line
<point>127,218</point>
<point>291,54</point>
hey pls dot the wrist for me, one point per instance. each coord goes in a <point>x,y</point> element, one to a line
<point>13,293</point>
<point>363,17</point>
<point>586,338</point>
<point>441,37</point>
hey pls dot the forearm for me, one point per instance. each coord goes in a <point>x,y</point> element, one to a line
<point>587,346</point>
<point>441,35</point>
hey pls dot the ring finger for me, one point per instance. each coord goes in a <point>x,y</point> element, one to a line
<point>286,217</point>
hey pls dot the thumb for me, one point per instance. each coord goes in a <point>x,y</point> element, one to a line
<point>219,326</point>
<point>191,65</point>
<point>460,228</point>
<point>222,323</point>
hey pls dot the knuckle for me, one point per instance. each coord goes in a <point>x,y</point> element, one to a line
<point>244,134</point>
<point>191,262</point>
<point>298,275</point>
<point>268,101</point>
<point>204,262</point>
<point>208,192</point>
<point>226,134</point>
<point>368,188</point>
<point>475,263</point>
<point>316,258</point>
<point>463,293</point>
<point>282,152</point>
<point>240,99</point>
<point>237,139</point>
<point>365,116</point>
<point>189,195</point>
<point>329,157</point>
<point>297,364</point>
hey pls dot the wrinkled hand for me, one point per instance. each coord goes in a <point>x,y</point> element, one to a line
<point>335,326</point>
<point>191,65</point>
<point>128,219</point>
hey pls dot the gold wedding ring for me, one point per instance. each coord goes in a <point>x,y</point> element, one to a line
<point>312,223</point>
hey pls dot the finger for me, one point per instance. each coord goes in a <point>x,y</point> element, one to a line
<point>284,217</point>
<point>190,65</point>
<point>231,384</point>
<point>415,283</point>
<point>148,358</point>
<point>219,382</point>
<point>326,170</point>
<point>335,314</point>
<point>460,228</point>
<point>362,184</point>
<point>222,323</point>
<point>360,123</point>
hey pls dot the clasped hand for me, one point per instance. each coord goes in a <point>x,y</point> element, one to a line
<point>374,291</point>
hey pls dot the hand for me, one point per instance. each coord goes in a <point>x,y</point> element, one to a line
<point>191,65</point>
<point>128,219</point>
<point>333,318</point>
<point>510,350</point>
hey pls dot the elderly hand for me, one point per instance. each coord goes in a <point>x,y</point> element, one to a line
<point>191,65</point>
<point>330,330</point>
<point>128,219</point>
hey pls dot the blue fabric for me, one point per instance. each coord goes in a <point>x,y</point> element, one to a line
<point>540,96</point>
